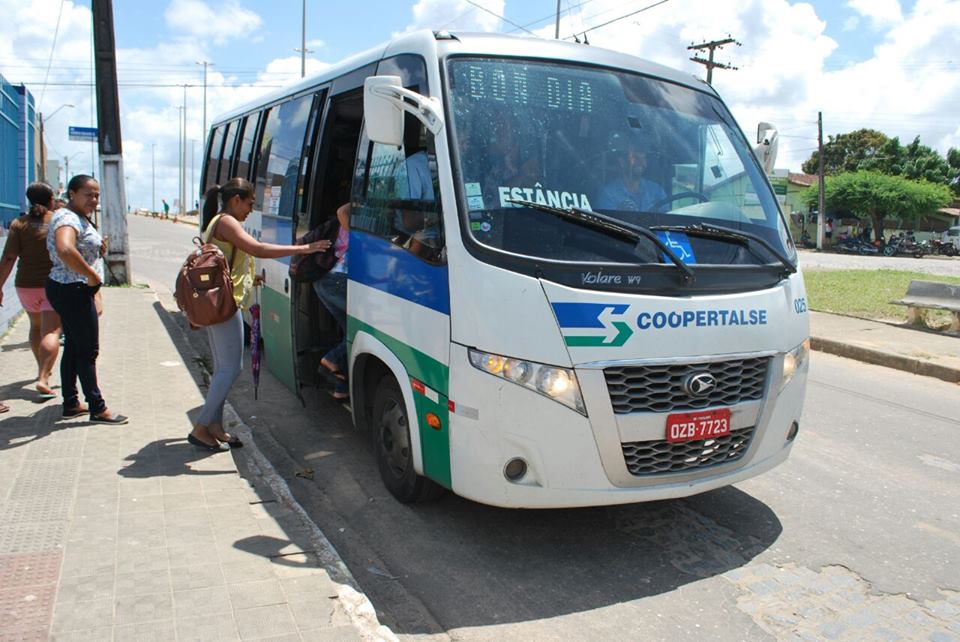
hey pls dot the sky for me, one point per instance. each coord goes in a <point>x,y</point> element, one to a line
<point>892,65</point>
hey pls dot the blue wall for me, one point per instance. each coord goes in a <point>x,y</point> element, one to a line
<point>18,122</point>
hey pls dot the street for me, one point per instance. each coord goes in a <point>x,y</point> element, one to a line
<point>860,524</point>
<point>934,265</point>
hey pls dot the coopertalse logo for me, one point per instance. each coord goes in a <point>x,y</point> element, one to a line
<point>612,325</point>
<point>593,324</point>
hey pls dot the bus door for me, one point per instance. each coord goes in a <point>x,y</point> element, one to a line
<point>283,152</point>
<point>327,186</point>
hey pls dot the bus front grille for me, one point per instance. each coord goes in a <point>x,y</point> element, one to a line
<point>660,388</point>
<point>656,457</point>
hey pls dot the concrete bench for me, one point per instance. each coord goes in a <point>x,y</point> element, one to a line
<point>931,295</point>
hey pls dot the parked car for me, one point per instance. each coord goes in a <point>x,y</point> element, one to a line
<point>952,236</point>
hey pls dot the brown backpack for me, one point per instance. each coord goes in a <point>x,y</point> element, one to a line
<point>204,289</point>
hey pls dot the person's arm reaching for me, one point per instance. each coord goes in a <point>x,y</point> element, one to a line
<point>230,230</point>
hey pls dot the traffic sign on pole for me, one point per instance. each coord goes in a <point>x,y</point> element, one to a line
<point>83,133</point>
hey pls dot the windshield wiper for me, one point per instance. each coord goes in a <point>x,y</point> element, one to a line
<point>708,230</point>
<point>612,227</point>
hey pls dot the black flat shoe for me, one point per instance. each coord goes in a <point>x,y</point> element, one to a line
<point>112,420</point>
<point>219,448</point>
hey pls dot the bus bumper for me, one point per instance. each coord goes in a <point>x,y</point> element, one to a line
<point>572,460</point>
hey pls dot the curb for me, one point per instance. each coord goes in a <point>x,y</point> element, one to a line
<point>889,360</point>
<point>355,602</point>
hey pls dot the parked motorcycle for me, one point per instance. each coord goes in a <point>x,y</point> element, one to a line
<point>856,245</point>
<point>903,245</point>
<point>936,246</point>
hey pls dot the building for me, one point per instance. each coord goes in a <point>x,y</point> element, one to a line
<point>19,134</point>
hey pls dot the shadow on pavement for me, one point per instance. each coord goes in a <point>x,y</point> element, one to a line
<point>16,431</point>
<point>168,458</point>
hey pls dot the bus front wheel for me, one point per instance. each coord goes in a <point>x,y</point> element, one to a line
<point>391,442</point>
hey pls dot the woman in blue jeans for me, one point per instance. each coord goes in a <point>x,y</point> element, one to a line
<point>331,288</point>
<point>234,202</point>
<point>76,249</point>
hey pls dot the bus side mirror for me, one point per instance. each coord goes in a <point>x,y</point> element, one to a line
<point>385,100</point>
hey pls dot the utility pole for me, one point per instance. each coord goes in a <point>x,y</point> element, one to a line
<point>205,64</point>
<point>556,33</point>
<point>709,63</point>
<point>192,176</point>
<point>821,203</point>
<point>153,177</point>
<point>181,128</point>
<point>303,42</point>
<point>113,197</point>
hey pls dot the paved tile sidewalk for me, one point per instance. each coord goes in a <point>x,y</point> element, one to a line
<point>115,533</point>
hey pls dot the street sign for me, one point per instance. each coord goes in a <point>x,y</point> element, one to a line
<point>88,134</point>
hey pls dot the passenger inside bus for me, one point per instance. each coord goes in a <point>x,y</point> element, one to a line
<point>630,191</point>
<point>331,289</point>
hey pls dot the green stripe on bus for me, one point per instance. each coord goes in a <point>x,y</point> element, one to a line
<point>419,365</point>
<point>277,340</point>
<point>434,444</point>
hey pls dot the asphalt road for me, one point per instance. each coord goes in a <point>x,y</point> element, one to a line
<point>855,537</point>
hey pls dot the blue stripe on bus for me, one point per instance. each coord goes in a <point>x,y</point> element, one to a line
<point>584,315</point>
<point>380,264</point>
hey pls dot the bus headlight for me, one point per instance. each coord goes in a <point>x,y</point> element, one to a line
<point>559,384</point>
<point>793,361</point>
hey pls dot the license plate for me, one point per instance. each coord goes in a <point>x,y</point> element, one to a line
<point>693,426</point>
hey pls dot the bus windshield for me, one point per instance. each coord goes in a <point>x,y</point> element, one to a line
<point>534,137</point>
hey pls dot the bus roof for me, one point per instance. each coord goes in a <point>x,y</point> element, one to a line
<point>484,44</point>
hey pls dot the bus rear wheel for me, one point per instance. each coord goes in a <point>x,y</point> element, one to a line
<point>392,447</point>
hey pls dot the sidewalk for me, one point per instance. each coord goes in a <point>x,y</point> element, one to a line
<point>924,352</point>
<point>128,532</point>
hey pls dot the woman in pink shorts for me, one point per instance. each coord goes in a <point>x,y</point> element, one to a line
<point>28,242</point>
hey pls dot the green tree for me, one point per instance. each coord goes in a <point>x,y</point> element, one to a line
<point>874,196</point>
<point>953,161</point>
<point>914,161</point>
<point>845,152</point>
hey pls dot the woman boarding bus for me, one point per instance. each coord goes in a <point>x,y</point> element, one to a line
<point>597,301</point>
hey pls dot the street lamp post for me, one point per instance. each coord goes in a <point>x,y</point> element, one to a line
<point>153,177</point>
<point>43,152</point>
<point>205,63</point>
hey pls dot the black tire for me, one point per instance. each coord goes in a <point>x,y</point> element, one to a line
<point>391,447</point>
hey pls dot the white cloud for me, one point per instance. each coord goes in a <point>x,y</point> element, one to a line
<point>909,87</point>
<point>197,19</point>
<point>457,14</point>
<point>851,23</point>
<point>881,13</point>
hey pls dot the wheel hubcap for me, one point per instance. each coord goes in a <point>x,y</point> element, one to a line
<point>394,442</point>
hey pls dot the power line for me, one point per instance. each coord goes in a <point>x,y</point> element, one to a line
<point>632,13</point>
<point>500,17</point>
<point>709,63</point>
<point>56,32</point>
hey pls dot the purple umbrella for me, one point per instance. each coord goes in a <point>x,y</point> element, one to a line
<point>255,342</point>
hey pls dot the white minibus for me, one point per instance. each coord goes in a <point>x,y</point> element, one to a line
<point>569,281</point>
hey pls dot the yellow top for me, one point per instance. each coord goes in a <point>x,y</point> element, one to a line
<point>242,271</point>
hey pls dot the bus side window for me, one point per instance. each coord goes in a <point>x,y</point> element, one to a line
<point>397,196</point>
<point>213,159</point>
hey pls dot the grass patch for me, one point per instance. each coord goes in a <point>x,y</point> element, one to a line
<point>867,293</point>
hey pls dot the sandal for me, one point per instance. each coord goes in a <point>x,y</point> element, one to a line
<point>219,448</point>
<point>109,419</point>
<point>4,408</point>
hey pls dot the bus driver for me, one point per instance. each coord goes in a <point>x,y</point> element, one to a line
<point>630,192</point>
